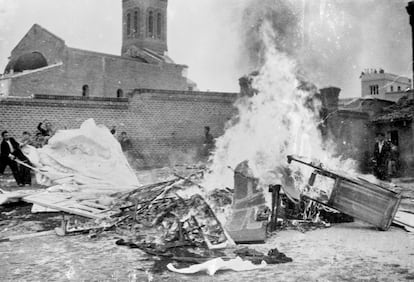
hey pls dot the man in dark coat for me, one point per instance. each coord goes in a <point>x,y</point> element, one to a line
<point>10,150</point>
<point>382,150</point>
<point>208,144</point>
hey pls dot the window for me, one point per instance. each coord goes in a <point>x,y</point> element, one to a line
<point>119,93</point>
<point>85,90</point>
<point>150,24</point>
<point>374,89</point>
<point>392,88</point>
<point>136,20</point>
<point>399,88</point>
<point>393,137</point>
<point>159,22</point>
<point>128,23</point>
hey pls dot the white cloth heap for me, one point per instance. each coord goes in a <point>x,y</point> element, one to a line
<point>85,158</point>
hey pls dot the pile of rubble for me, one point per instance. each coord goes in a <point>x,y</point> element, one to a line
<point>173,221</point>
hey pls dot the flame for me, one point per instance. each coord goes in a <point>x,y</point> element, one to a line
<point>276,122</point>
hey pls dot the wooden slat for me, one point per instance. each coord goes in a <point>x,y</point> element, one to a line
<point>65,203</point>
<point>16,196</point>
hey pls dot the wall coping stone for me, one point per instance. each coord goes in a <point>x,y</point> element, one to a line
<point>79,98</point>
<point>117,57</point>
<point>69,103</point>
<point>187,92</point>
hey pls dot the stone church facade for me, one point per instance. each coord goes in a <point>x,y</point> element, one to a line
<point>142,91</point>
<point>42,63</point>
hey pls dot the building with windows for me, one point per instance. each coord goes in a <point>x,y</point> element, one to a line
<point>42,63</point>
<point>382,85</point>
<point>144,27</point>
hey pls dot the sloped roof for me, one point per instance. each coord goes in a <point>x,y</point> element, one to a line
<point>36,29</point>
<point>357,104</point>
<point>403,110</point>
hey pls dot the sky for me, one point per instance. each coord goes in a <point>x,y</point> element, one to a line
<point>340,38</point>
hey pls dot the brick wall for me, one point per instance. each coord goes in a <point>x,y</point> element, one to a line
<point>104,74</point>
<point>166,127</point>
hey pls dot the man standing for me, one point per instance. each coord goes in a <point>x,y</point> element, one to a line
<point>26,139</point>
<point>208,144</point>
<point>10,150</point>
<point>126,144</point>
<point>382,151</point>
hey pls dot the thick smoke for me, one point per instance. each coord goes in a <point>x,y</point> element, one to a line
<point>283,19</point>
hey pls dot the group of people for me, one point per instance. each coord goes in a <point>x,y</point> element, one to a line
<point>43,134</point>
<point>123,139</point>
<point>386,158</point>
<point>11,154</point>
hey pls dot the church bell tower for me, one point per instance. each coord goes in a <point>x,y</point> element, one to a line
<point>144,27</point>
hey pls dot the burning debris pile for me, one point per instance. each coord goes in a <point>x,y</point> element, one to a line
<point>179,220</point>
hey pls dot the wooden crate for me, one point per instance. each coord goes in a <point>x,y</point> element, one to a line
<point>363,200</point>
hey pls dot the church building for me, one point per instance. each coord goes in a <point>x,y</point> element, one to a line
<point>42,63</point>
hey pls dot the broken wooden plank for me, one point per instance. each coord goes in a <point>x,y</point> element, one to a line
<point>64,202</point>
<point>16,196</point>
<point>405,219</point>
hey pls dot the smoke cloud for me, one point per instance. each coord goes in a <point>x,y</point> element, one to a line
<point>332,41</point>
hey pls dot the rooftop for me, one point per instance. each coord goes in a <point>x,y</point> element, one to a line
<point>401,111</point>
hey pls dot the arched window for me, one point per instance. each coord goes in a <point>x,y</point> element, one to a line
<point>136,20</point>
<point>85,90</point>
<point>150,24</point>
<point>159,23</point>
<point>27,61</point>
<point>119,93</point>
<point>128,24</point>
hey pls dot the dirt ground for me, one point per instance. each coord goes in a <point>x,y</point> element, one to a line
<point>344,252</point>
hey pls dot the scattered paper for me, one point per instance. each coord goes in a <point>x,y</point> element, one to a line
<point>212,266</point>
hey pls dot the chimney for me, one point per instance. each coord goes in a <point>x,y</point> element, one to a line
<point>245,82</point>
<point>245,86</point>
<point>330,98</point>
